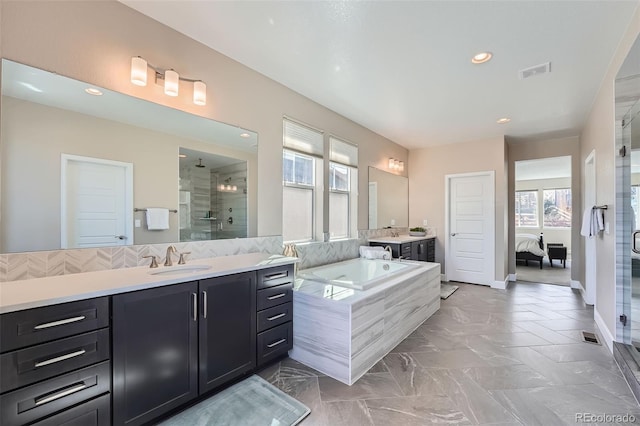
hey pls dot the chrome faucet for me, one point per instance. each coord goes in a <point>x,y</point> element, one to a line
<point>388,248</point>
<point>170,250</point>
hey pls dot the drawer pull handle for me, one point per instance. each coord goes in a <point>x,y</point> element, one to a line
<point>275,276</point>
<point>61,322</point>
<point>60,358</point>
<point>277,296</point>
<point>61,394</point>
<point>276,343</point>
<point>275,317</point>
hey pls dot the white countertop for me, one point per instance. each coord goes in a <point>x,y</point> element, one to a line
<point>334,293</point>
<point>33,293</point>
<point>399,240</point>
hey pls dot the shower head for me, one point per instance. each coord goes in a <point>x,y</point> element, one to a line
<point>200,165</point>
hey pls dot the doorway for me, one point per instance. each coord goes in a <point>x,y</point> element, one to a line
<point>97,202</point>
<point>543,210</point>
<point>470,227</point>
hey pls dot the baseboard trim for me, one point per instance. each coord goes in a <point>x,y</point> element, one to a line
<point>604,331</point>
<point>577,285</point>
<point>501,285</point>
<point>443,278</point>
<point>513,277</point>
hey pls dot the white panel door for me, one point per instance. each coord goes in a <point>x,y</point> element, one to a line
<point>96,205</point>
<point>471,239</point>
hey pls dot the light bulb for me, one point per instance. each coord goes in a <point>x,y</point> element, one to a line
<point>138,71</point>
<point>199,93</point>
<point>392,163</point>
<point>234,188</point>
<point>171,82</point>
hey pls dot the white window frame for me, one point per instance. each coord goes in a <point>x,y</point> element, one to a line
<point>541,207</point>
<point>537,209</point>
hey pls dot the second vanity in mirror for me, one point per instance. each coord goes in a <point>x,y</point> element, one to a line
<point>83,169</point>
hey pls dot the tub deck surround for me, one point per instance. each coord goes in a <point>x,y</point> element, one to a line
<point>37,292</point>
<point>343,332</point>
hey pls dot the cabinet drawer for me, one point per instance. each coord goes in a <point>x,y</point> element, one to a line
<point>96,412</point>
<point>37,401</point>
<point>274,296</point>
<point>39,325</point>
<point>26,366</point>
<point>275,276</point>
<point>275,316</point>
<point>275,342</point>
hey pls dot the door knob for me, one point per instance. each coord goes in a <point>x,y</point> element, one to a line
<point>121,237</point>
<point>453,234</point>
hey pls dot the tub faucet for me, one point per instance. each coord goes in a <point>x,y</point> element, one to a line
<point>388,248</point>
<point>170,250</point>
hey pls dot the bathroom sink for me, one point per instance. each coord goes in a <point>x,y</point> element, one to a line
<point>182,269</point>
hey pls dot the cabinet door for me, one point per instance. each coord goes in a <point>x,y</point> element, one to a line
<point>227,328</point>
<point>155,352</point>
<point>419,250</point>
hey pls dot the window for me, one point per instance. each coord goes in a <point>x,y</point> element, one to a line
<point>557,208</point>
<point>527,209</point>
<point>343,183</point>
<point>301,182</point>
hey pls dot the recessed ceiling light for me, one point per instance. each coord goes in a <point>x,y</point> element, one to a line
<point>182,155</point>
<point>482,57</point>
<point>245,135</point>
<point>503,120</point>
<point>92,91</point>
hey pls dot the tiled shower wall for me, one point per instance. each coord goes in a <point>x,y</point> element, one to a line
<point>22,266</point>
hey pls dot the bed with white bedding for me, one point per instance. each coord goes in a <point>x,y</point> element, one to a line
<point>530,247</point>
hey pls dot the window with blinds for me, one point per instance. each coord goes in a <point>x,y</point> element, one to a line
<point>302,155</point>
<point>343,185</point>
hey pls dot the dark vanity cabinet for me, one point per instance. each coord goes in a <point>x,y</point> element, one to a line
<point>173,343</point>
<point>275,313</point>
<point>227,328</point>
<point>155,352</point>
<point>421,250</point>
<point>54,365</point>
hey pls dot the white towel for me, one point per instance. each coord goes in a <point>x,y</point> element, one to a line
<point>365,249</point>
<point>599,219</point>
<point>592,222</point>
<point>157,219</point>
<point>585,230</point>
<point>377,254</point>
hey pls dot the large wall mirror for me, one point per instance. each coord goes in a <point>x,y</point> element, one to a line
<point>388,199</point>
<point>83,168</point>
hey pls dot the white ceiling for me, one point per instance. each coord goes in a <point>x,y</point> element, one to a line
<point>403,70</point>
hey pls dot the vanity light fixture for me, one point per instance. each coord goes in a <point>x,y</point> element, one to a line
<point>93,91</point>
<point>171,80</point>
<point>396,164</point>
<point>503,120</point>
<point>481,58</point>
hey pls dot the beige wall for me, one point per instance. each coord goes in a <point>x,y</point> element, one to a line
<point>551,235</point>
<point>599,135</point>
<point>429,166</point>
<point>94,41</point>
<point>31,169</point>
<point>531,150</point>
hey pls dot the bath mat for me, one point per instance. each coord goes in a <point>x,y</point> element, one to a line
<point>447,290</point>
<point>253,401</point>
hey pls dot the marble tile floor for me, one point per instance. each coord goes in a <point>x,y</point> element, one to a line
<point>488,357</point>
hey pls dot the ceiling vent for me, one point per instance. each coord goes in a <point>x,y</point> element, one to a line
<point>535,70</point>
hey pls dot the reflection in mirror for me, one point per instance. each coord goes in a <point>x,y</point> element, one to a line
<point>388,199</point>
<point>213,196</point>
<point>48,119</point>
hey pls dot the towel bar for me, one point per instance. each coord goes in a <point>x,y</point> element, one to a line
<point>144,210</point>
